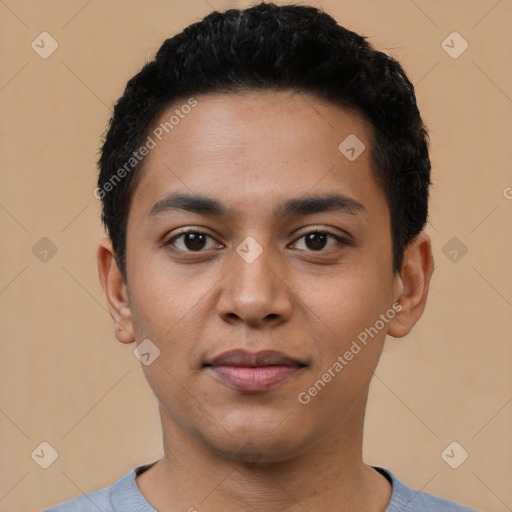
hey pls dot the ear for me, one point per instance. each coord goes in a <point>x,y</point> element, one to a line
<point>116,292</point>
<point>411,285</point>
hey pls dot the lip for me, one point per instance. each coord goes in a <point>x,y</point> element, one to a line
<point>253,371</point>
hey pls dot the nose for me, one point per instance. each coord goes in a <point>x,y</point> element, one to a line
<point>255,292</point>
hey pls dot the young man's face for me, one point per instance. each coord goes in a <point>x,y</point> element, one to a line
<point>253,281</point>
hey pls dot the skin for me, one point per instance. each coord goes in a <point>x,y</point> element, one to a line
<point>224,449</point>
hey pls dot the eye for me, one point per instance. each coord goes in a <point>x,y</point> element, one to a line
<point>317,240</point>
<point>197,241</point>
<point>191,241</point>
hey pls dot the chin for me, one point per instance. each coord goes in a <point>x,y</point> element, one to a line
<point>252,453</point>
<point>267,444</point>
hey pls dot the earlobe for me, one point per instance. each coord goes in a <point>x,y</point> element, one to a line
<point>116,292</point>
<point>412,283</point>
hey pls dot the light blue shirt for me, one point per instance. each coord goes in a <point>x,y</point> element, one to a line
<point>124,496</point>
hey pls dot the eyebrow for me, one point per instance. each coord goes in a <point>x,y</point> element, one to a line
<point>305,205</point>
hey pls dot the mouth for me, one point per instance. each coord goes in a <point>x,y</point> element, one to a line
<point>253,372</point>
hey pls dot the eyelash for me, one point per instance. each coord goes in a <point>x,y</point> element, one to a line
<point>340,240</point>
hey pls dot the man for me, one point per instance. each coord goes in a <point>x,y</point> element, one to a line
<point>265,187</point>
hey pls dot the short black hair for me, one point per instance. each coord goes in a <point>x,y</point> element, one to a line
<point>270,47</point>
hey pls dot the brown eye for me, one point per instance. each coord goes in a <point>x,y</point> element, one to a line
<point>318,240</point>
<point>190,241</point>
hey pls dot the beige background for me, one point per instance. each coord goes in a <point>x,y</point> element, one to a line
<point>67,381</point>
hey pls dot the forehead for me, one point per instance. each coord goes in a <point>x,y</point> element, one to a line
<point>257,148</point>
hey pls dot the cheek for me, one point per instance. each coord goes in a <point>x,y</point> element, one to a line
<point>168,308</point>
<point>348,301</point>
<point>163,300</point>
<point>348,346</point>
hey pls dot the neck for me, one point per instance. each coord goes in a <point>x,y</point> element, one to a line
<point>329,475</point>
